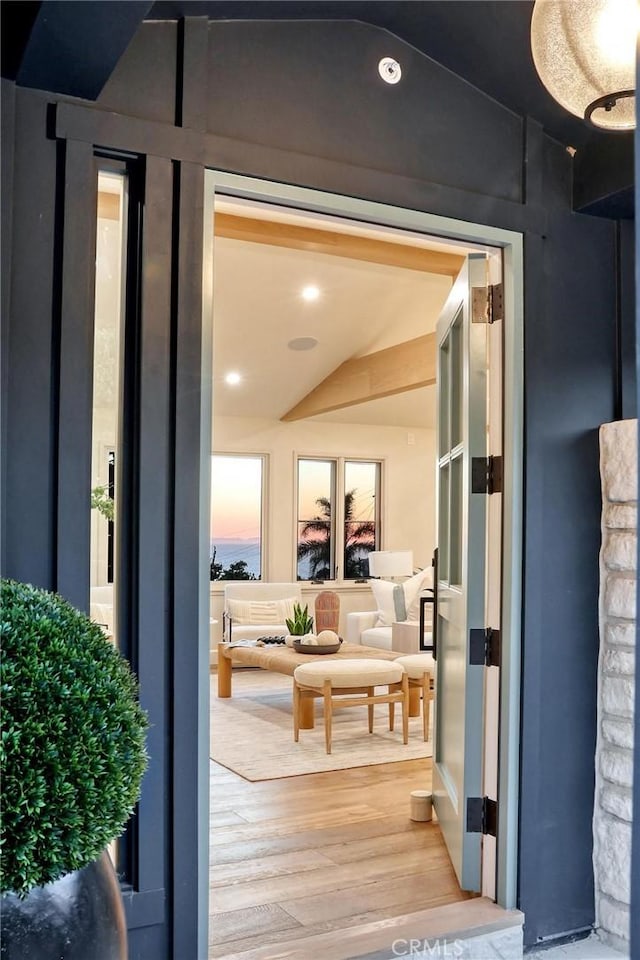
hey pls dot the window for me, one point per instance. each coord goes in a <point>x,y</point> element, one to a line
<point>338,521</point>
<point>111,248</point>
<point>236,517</point>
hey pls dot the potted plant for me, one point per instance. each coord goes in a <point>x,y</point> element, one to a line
<point>72,758</point>
<point>301,623</point>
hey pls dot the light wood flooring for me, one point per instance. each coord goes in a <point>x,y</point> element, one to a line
<point>323,852</point>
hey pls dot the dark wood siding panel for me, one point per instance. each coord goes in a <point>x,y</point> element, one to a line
<point>313,88</point>
<point>271,163</point>
<point>627,318</point>
<point>569,376</point>
<point>154,516</point>
<point>31,390</point>
<point>7,145</point>
<point>144,82</point>
<point>189,764</point>
<point>76,375</point>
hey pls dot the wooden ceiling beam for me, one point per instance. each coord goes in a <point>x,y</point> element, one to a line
<point>297,237</point>
<point>405,366</point>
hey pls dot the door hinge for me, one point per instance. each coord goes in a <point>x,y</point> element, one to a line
<point>486,474</point>
<point>496,302</point>
<point>484,647</point>
<point>487,303</point>
<point>482,816</point>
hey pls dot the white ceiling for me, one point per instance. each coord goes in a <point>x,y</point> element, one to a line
<point>363,307</point>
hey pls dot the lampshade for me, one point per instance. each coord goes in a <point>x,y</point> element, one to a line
<point>584,52</point>
<point>391,563</point>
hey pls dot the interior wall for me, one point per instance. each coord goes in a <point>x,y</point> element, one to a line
<point>408,482</point>
<point>408,478</point>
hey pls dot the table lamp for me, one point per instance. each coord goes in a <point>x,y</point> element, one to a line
<point>390,564</point>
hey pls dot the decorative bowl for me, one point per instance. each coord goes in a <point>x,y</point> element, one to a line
<point>315,648</point>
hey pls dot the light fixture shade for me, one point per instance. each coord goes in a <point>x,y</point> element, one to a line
<point>391,563</point>
<point>584,52</point>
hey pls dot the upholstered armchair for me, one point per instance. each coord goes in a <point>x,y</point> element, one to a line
<point>395,623</point>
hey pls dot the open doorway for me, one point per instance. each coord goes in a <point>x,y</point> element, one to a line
<point>283,419</point>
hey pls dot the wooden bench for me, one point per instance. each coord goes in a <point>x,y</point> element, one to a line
<point>283,659</point>
<point>350,683</point>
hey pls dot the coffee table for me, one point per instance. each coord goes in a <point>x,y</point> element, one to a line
<point>283,659</point>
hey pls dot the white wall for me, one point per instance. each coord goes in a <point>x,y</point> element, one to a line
<point>408,487</point>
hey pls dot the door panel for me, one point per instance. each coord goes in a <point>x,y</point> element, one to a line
<point>462,419</point>
<point>495,340</point>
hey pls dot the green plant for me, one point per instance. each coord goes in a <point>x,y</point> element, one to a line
<point>72,751</point>
<point>301,623</point>
<point>102,502</point>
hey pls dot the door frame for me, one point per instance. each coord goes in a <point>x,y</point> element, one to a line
<point>511,243</point>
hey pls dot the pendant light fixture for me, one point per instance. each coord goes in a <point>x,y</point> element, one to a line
<point>584,52</point>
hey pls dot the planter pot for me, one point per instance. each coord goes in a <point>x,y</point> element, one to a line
<point>78,917</point>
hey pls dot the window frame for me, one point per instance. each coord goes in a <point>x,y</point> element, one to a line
<point>339,462</point>
<point>264,500</point>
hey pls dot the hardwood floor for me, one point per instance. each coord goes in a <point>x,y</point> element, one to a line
<point>310,854</point>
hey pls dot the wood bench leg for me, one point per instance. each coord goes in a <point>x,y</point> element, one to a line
<point>306,715</point>
<point>370,692</point>
<point>224,673</point>
<point>414,701</point>
<point>426,703</point>
<point>296,712</point>
<point>326,691</point>
<point>392,716</point>
<point>405,708</point>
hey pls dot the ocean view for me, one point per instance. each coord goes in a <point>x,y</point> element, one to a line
<point>232,551</point>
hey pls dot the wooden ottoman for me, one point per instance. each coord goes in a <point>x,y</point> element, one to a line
<point>351,683</point>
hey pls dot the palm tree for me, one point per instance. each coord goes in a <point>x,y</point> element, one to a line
<point>315,540</point>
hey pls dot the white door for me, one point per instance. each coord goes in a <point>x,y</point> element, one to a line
<point>462,436</point>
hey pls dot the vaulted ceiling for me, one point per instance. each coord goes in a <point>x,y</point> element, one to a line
<point>51,45</point>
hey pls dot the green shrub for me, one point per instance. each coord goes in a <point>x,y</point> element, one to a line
<point>72,750</point>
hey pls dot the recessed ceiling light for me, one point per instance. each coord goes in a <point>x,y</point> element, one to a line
<point>233,378</point>
<point>310,292</point>
<point>390,70</point>
<point>302,343</point>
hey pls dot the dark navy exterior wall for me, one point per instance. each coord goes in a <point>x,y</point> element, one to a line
<point>300,103</point>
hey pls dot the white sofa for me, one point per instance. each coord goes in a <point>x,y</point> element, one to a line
<point>101,606</point>
<point>401,636</point>
<point>386,627</point>
<point>253,608</point>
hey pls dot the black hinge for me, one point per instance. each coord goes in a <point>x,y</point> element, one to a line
<point>482,816</point>
<point>486,475</point>
<point>484,647</point>
<point>496,302</point>
<point>487,303</point>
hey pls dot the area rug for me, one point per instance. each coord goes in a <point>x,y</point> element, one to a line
<point>252,733</point>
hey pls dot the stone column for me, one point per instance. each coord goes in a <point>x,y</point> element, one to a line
<point>614,749</point>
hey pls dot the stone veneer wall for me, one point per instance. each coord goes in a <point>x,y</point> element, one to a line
<point>614,751</point>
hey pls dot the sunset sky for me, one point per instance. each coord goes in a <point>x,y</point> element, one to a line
<point>236,493</point>
<point>235,497</point>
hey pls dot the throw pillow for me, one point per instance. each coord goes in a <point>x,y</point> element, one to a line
<point>397,602</point>
<point>258,612</point>
<point>413,606</point>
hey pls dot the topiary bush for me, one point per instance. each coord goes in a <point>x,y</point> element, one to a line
<point>72,751</point>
